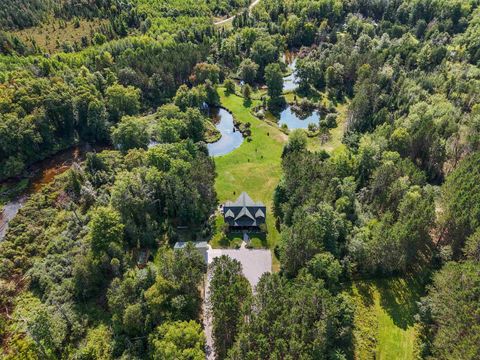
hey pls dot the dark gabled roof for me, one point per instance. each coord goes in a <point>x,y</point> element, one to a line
<point>244,211</point>
<point>259,213</point>
<point>244,200</point>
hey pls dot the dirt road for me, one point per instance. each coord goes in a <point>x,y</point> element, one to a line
<point>252,5</point>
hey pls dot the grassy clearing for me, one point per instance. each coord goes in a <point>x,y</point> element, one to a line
<point>51,35</point>
<point>334,142</point>
<point>384,323</point>
<point>255,166</point>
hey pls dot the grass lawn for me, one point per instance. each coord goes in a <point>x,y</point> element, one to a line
<point>255,166</point>
<point>384,324</point>
<point>334,143</point>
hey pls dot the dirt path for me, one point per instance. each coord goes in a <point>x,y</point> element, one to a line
<point>252,5</point>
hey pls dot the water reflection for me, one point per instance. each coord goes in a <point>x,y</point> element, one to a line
<point>290,81</point>
<point>231,137</point>
<point>294,121</point>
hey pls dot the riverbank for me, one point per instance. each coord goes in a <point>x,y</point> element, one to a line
<point>15,192</point>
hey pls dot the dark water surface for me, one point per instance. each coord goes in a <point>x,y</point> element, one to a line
<point>231,138</point>
<point>290,81</point>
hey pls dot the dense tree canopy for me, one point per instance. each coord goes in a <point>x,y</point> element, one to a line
<point>453,298</point>
<point>275,325</point>
<point>461,212</point>
<point>229,291</point>
<point>87,269</point>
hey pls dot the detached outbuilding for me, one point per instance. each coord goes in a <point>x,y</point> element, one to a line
<point>244,213</point>
<point>201,246</point>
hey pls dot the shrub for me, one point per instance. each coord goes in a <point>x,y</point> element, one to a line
<point>229,86</point>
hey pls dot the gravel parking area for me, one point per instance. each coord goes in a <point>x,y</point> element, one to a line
<point>254,264</point>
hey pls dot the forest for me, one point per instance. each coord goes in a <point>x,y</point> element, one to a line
<point>382,189</point>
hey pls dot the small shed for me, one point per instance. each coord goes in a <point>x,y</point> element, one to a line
<point>201,246</point>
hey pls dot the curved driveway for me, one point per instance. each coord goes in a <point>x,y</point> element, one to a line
<point>252,5</point>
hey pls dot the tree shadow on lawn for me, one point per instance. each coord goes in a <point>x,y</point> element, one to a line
<point>365,290</point>
<point>258,240</point>
<point>399,297</point>
<point>230,241</point>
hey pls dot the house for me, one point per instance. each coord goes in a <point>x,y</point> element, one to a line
<point>244,213</point>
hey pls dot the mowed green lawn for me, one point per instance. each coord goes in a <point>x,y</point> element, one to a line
<point>384,323</point>
<point>255,166</point>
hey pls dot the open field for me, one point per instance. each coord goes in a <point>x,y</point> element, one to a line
<point>52,35</point>
<point>384,323</point>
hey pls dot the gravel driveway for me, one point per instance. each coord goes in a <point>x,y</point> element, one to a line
<point>254,264</point>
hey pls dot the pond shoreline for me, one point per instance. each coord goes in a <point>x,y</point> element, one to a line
<point>231,135</point>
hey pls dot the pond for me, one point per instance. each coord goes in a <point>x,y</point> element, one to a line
<point>231,138</point>
<point>288,117</point>
<point>294,121</point>
<point>41,174</point>
<point>290,81</point>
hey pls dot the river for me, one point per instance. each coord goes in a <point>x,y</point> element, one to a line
<point>44,172</point>
<point>41,174</point>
